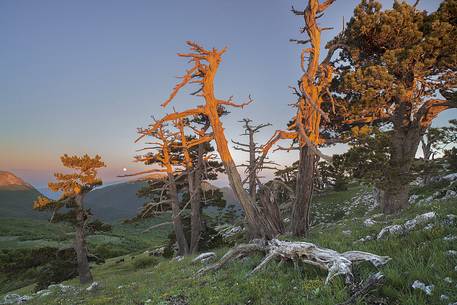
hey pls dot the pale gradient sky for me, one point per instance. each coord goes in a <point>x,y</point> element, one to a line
<point>80,76</point>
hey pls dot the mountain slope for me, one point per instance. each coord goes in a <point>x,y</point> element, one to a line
<point>119,201</point>
<point>116,202</point>
<point>16,197</point>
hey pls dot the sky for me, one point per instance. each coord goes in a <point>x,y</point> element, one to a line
<point>80,76</point>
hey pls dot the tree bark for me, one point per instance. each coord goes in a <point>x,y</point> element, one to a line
<point>196,220</point>
<point>85,275</point>
<point>304,192</point>
<point>405,141</point>
<point>183,248</point>
<point>270,208</point>
<point>252,165</point>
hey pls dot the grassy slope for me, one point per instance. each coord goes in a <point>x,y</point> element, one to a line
<point>418,256</point>
<point>28,233</point>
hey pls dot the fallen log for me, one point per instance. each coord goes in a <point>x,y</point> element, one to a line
<point>329,260</point>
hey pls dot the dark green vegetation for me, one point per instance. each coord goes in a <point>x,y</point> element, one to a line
<point>22,239</point>
<point>420,255</point>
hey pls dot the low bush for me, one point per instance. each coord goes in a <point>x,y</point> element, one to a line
<point>144,262</point>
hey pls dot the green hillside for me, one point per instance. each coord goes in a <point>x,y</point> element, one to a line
<point>424,254</point>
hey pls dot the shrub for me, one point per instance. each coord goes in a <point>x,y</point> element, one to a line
<point>109,250</point>
<point>144,262</point>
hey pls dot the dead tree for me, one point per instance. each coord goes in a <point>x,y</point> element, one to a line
<point>205,64</point>
<point>333,262</point>
<point>254,150</point>
<point>304,130</point>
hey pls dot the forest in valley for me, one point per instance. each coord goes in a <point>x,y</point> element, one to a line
<point>376,224</point>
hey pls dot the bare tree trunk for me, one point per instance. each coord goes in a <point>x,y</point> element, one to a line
<point>258,225</point>
<point>85,275</point>
<point>304,192</point>
<point>183,248</point>
<point>196,220</point>
<point>270,208</point>
<point>251,169</point>
<point>404,143</point>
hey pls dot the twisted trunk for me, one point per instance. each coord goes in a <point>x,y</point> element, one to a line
<point>405,140</point>
<point>183,248</point>
<point>304,192</point>
<point>85,275</point>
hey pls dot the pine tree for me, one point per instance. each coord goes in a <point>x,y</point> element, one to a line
<point>398,67</point>
<point>74,188</point>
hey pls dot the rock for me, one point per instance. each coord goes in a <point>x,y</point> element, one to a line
<point>448,280</point>
<point>444,297</point>
<point>204,257</point>
<point>413,198</point>
<point>407,226</point>
<point>13,298</point>
<point>450,194</point>
<point>94,286</point>
<point>451,253</point>
<point>369,222</point>
<point>426,201</point>
<point>43,293</point>
<point>177,300</point>
<point>411,224</point>
<point>450,219</point>
<point>425,288</point>
<point>450,177</point>
<point>365,239</point>
<point>347,232</point>
<point>394,229</point>
<point>61,287</point>
<point>429,227</point>
<point>157,252</point>
<point>450,238</point>
<point>148,301</point>
<point>179,258</point>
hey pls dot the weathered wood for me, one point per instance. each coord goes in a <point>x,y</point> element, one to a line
<point>206,64</point>
<point>333,262</point>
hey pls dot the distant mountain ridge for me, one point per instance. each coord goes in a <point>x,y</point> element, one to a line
<point>111,203</point>
<point>10,181</point>
<point>16,198</point>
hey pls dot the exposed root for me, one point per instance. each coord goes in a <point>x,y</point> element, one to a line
<point>333,262</point>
